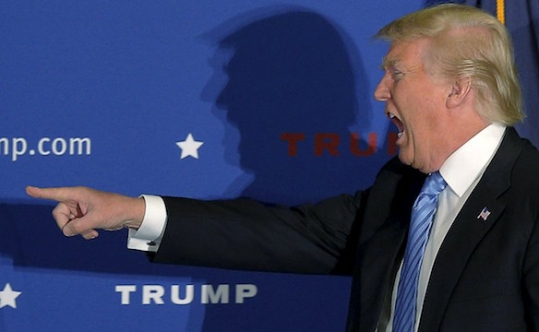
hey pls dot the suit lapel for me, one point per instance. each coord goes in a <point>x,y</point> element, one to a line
<point>376,261</point>
<point>467,231</point>
<point>381,242</point>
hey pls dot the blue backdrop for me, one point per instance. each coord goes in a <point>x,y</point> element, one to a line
<point>206,99</point>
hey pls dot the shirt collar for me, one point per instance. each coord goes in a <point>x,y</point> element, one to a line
<point>468,162</point>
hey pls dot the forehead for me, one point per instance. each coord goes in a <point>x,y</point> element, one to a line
<point>405,53</point>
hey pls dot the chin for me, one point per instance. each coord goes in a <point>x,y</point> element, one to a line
<point>404,159</point>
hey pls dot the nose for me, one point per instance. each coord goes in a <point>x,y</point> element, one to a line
<point>382,92</point>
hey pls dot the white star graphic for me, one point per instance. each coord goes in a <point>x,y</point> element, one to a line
<point>8,296</point>
<point>189,147</point>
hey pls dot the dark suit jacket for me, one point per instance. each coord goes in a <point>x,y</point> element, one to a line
<point>485,276</point>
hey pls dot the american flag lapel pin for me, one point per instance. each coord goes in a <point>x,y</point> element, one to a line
<point>484,214</point>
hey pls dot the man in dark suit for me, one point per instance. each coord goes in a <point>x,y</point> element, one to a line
<point>450,87</point>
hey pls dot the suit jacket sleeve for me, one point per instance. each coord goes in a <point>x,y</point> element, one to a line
<point>249,235</point>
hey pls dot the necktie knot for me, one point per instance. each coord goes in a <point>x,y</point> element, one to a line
<point>434,185</point>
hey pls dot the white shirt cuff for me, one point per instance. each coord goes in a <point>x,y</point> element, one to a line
<point>150,233</point>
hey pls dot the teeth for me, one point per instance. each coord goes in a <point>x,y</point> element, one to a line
<point>392,116</point>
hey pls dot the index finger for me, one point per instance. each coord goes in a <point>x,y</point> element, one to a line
<point>57,194</point>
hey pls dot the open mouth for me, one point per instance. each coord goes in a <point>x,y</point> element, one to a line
<point>397,122</point>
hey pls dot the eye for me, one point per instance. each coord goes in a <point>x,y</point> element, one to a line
<point>396,74</point>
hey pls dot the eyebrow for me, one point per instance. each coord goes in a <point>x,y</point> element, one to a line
<point>389,62</point>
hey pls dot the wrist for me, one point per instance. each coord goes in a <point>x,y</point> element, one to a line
<point>137,210</point>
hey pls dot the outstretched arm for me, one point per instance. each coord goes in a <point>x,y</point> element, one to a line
<point>83,210</point>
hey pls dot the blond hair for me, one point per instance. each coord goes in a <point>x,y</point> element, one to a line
<point>466,42</point>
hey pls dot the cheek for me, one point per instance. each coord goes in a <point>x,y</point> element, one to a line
<point>422,114</point>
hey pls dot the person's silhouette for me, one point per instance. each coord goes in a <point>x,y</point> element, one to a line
<point>294,84</point>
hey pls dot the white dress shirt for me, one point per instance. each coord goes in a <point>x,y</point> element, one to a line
<point>462,171</point>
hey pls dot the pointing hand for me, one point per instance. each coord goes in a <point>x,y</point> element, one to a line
<point>82,210</point>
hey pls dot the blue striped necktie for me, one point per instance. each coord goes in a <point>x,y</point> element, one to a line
<point>418,234</point>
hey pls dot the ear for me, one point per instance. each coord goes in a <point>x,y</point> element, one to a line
<point>459,91</point>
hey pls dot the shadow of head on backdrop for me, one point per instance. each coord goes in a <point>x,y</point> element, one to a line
<point>294,87</point>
